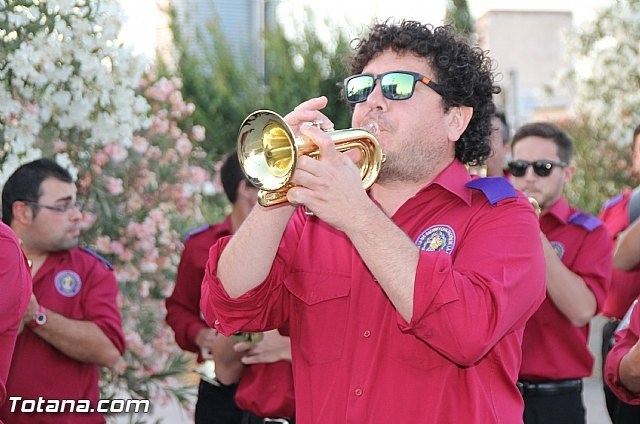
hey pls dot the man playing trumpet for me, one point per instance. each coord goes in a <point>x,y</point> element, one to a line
<point>385,324</point>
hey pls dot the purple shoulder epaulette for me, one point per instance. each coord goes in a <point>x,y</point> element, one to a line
<point>196,231</point>
<point>98,257</point>
<point>495,188</point>
<point>612,201</point>
<point>585,220</point>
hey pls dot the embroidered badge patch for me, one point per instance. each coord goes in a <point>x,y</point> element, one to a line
<point>436,238</point>
<point>558,247</point>
<point>67,283</point>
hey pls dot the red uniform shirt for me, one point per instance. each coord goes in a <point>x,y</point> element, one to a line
<point>625,285</point>
<point>264,389</point>
<point>625,339</point>
<point>553,348</point>
<point>356,360</point>
<point>15,285</point>
<point>183,310</point>
<point>77,284</point>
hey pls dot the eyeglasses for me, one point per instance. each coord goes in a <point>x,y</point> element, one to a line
<point>542,168</point>
<point>395,85</point>
<point>60,209</point>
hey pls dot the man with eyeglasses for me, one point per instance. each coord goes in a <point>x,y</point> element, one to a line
<point>407,303</point>
<point>72,325</point>
<point>15,286</point>
<point>577,248</point>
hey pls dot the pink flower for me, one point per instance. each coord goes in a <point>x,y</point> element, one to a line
<point>198,132</point>
<point>114,186</point>
<point>140,144</point>
<point>116,247</point>
<point>87,221</point>
<point>197,176</point>
<point>183,146</point>
<point>103,244</point>
<point>116,152</point>
<point>126,255</point>
<point>59,146</point>
<point>100,158</point>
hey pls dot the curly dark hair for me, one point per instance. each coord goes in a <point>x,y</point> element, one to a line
<point>463,71</point>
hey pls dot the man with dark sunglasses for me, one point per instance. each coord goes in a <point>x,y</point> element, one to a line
<point>72,325</point>
<point>577,247</point>
<point>406,303</point>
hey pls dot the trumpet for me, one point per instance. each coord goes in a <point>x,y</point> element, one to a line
<point>268,152</point>
<point>535,204</point>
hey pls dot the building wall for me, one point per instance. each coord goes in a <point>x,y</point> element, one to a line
<point>241,21</point>
<point>529,50</point>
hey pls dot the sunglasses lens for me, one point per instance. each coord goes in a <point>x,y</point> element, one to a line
<point>397,85</point>
<point>542,169</point>
<point>358,88</point>
<point>518,168</point>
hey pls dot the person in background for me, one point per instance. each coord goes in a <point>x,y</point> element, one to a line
<point>555,354</point>
<point>72,325</point>
<point>407,303</point>
<point>15,285</point>
<point>622,369</point>
<point>500,146</point>
<point>622,364</point>
<point>617,214</point>
<point>265,388</point>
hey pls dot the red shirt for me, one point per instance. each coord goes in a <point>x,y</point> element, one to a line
<point>183,310</point>
<point>553,348</point>
<point>355,359</point>
<point>15,285</point>
<point>625,339</point>
<point>81,286</point>
<point>264,389</point>
<point>625,285</point>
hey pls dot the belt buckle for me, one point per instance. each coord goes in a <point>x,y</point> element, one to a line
<point>275,420</point>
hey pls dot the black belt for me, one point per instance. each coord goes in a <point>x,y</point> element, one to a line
<point>549,388</point>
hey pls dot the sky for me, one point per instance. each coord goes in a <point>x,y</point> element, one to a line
<point>139,31</point>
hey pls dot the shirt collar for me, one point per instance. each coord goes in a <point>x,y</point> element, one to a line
<point>453,179</point>
<point>560,210</point>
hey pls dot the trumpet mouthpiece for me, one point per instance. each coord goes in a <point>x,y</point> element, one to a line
<point>371,127</point>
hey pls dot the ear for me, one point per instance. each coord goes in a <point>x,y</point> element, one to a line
<point>22,213</point>
<point>246,191</point>
<point>459,118</point>
<point>568,173</point>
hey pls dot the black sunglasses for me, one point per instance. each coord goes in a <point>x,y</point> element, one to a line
<point>542,168</point>
<point>395,85</point>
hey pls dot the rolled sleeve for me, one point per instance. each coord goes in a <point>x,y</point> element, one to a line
<point>465,303</point>
<point>261,308</point>
<point>624,340</point>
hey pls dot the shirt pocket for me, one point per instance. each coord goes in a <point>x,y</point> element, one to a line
<point>320,314</point>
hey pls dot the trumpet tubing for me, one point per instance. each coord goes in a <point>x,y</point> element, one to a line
<point>268,153</point>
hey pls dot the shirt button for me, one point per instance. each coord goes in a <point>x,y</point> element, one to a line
<point>367,333</point>
<point>358,392</point>
<point>216,322</point>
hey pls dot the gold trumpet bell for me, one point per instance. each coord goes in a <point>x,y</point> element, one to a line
<point>268,152</point>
